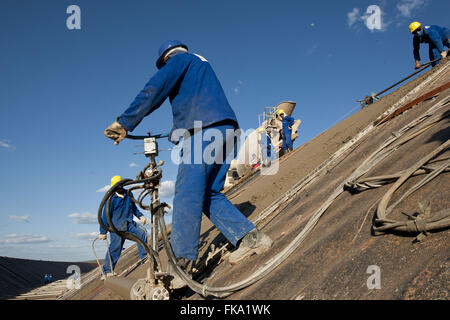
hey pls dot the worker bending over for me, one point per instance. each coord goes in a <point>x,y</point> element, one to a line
<point>437,37</point>
<point>122,209</point>
<point>196,95</point>
<point>287,123</point>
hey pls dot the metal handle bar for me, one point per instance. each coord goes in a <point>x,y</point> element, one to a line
<point>157,136</point>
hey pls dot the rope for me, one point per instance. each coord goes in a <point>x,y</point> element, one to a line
<point>95,254</point>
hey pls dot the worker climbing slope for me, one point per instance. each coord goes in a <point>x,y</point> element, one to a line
<point>437,38</point>
<point>122,210</point>
<point>287,123</point>
<point>196,96</point>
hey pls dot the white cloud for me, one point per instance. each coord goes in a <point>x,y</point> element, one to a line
<point>353,17</point>
<point>167,189</point>
<point>86,236</point>
<point>65,246</point>
<point>237,89</point>
<point>20,218</point>
<point>406,7</point>
<point>24,239</point>
<point>132,165</point>
<point>104,189</point>
<point>83,218</point>
<point>6,144</point>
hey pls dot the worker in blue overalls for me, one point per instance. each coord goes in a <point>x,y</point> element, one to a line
<point>287,123</point>
<point>197,97</point>
<point>437,38</point>
<point>122,210</point>
<point>265,147</point>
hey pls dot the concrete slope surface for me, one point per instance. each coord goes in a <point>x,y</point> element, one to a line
<point>342,257</point>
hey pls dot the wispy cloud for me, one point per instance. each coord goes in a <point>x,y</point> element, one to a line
<point>6,144</point>
<point>311,50</point>
<point>86,236</point>
<point>132,165</point>
<point>83,218</point>
<point>237,89</point>
<point>353,17</point>
<point>407,7</point>
<point>104,189</point>
<point>23,239</point>
<point>65,246</point>
<point>20,218</point>
<point>167,189</point>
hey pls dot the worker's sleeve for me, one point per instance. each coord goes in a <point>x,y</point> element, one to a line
<point>436,39</point>
<point>154,93</point>
<point>105,221</point>
<point>134,208</point>
<point>416,45</point>
<point>290,120</point>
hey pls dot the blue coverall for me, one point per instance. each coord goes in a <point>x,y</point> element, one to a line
<point>437,37</point>
<point>287,124</point>
<point>265,144</point>
<point>195,94</point>
<point>122,210</point>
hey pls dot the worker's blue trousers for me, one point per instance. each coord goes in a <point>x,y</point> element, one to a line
<point>287,141</point>
<point>265,144</point>
<point>434,53</point>
<point>197,190</point>
<point>116,245</point>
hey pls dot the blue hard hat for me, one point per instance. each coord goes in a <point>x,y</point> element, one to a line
<point>166,46</point>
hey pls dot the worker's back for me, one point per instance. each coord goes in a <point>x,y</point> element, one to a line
<point>199,95</point>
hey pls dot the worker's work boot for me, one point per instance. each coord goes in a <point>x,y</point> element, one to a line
<point>254,242</point>
<point>109,274</point>
<point>177,282</point>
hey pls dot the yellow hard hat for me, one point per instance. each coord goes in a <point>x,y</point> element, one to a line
<point>115,179</point>
<point>280,111</point>
<point>414,26</point>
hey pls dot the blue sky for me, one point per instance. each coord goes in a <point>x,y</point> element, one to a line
<point>60,88</point>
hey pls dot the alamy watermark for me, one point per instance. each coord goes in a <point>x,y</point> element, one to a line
<point>74,281</point>
<point>73,22</point>
<point>374,281</point>
<point>230,146</point>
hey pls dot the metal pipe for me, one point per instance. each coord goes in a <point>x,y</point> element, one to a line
<point>423,67</point>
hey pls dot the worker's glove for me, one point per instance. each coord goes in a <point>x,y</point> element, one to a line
<point>143,220</point>
<point>444,54</point>
<point>102,236</point>
<point>418,65</point>
<point>116,132</point>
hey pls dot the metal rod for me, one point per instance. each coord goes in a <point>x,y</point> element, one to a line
<point>423,67</point>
